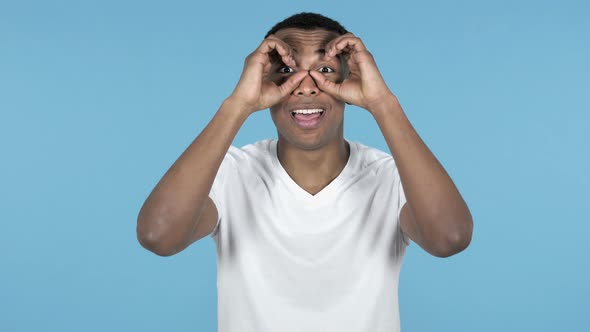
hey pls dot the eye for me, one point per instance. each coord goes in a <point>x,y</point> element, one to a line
<point>286,70</point>
<point>325,69</point>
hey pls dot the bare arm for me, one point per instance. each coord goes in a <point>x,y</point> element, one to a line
<point>171,213</point>
<point>435,215</point>
<point>178,211</point>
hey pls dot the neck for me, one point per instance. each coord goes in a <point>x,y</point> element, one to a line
<point>313,169</point>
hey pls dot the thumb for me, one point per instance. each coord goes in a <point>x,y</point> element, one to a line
<point>291,83</point>
<point>325,84</point>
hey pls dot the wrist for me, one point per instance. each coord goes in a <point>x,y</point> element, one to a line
<point>385,105</point>
<point>238,106</point>
<point>236,109</point>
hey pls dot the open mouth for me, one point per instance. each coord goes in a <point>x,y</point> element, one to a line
<point>307,114</point>
<point>307,117</point>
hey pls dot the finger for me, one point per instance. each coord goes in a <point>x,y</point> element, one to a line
<point>345,45</point>
<point>325,84</point>
<point>291,83</point>
<point>331,44</point>
<point>273,44</point>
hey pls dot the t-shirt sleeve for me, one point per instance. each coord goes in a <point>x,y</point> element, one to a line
<point>401,201</point>
<point>396,197</point>
<point>220,185</point>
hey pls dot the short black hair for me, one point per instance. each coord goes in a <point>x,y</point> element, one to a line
<point>308,21</point>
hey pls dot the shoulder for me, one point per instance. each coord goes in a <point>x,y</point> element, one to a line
<point>370,158</point>
<point>255,157</point>
<point>254,151</point>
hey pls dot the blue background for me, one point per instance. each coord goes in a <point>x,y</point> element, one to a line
<point>99,98</point>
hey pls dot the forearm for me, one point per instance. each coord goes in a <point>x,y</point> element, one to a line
<point>441,217</point>
<point>171,211</point>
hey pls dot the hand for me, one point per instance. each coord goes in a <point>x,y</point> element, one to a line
<point>364,86</point>
<point>255,91</point>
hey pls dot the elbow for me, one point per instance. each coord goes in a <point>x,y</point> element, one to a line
<point>153,239</point>
<point>454,240</point>
<point>153,244</point>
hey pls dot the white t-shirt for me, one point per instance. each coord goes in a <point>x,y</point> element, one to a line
<point>291,261</point>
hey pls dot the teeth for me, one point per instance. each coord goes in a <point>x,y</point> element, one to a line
<point>310,111</point>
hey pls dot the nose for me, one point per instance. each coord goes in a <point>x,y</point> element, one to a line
<point>307,87</point>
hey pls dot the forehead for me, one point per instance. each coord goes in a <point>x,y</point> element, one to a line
<point>299,38</point>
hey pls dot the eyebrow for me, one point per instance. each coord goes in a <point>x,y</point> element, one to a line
<point>320,52</point>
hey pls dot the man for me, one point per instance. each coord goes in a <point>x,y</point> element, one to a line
<point>310,228</point>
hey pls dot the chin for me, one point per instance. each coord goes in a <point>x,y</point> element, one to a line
<point>327,132</point>
<point>310,141</point>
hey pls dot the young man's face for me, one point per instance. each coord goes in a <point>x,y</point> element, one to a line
<point>323,122</point>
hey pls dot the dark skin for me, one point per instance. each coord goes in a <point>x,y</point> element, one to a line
<point>313,157</point>
<point>302,69</point>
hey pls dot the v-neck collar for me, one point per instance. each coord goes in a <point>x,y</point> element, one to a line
<point>300,194</point>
